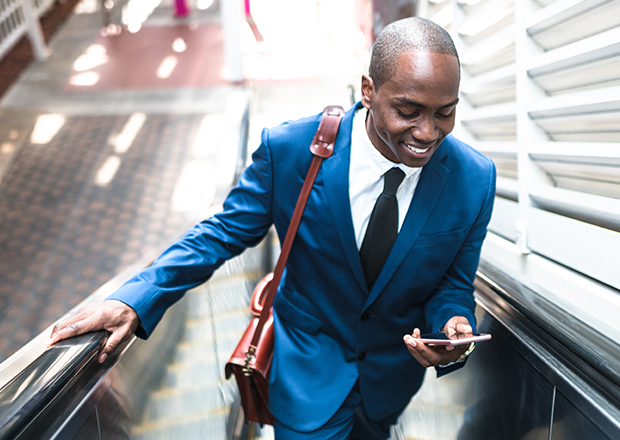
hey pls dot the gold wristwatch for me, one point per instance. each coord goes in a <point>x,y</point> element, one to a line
<point>467,353</point>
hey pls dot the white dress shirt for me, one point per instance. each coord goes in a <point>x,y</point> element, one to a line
<point>366,178</point>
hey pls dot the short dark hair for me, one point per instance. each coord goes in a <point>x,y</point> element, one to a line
<point>407,35</point>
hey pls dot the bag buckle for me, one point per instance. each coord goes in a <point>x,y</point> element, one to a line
<point>247,371</point>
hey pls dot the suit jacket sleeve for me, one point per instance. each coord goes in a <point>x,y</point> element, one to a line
<point>454,294</point>
<point>244,221</point>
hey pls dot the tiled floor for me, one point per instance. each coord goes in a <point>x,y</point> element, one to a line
<point>163,57</point>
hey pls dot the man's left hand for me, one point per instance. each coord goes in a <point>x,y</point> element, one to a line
<point>431,356</point>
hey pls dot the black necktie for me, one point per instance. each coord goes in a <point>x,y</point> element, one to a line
<point>382,227</point>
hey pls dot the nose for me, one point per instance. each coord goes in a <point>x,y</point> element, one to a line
<point>425,131</point>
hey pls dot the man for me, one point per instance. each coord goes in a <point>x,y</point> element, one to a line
<point>340,367</point>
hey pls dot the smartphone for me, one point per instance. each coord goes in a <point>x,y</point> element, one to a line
<point>442,339</point>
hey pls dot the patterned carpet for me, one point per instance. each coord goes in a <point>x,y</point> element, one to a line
<point>64,231</point>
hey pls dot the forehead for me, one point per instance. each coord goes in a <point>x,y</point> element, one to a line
<point>428,73</point>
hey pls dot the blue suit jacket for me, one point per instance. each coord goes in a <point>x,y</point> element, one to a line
<point>330,330</point>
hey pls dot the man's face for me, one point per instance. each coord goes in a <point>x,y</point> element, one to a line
<point>412,112</point>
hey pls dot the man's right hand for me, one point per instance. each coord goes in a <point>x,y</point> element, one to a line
<point>111,315</point>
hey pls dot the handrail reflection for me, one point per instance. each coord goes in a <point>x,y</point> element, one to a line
<point>44,380</point>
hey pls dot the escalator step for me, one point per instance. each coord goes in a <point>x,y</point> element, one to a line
<point>199,426</point>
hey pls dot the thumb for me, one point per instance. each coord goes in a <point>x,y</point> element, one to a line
<point>463,326</point>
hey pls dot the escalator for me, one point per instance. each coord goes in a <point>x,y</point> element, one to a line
<point>548,373</point>
<point>542,376</point>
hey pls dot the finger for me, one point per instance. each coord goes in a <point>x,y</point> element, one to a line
<point>425,355</point>
<point>464,328</point>
<point>411,339</point>
<point>114,340</point>
<point>60,325</point>
<point>449,328</point>
<point>67,326</point>
<point>457,325</point>
<point>412,347</point>
<point>84,321</point>
<point>66,330</point>
<point>111,343</point>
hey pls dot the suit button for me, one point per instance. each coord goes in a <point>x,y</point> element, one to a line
<point>365,316</point>
<point>361,356</point>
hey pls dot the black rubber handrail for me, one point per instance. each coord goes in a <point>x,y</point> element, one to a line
<point>592,347</point>
<point>43,381</point>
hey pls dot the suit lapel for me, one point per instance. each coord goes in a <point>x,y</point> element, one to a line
<point>431,183</point>
<point>336,175</point>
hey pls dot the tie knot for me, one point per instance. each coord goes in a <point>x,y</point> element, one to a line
<point>393,179</point>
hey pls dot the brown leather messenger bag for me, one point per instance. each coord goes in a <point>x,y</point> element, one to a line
<point>251,360</point>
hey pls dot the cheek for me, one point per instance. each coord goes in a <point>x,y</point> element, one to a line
<point>394,127</point>
<point>393,134</point>
<point>384,127</point>
<point>445,126</point>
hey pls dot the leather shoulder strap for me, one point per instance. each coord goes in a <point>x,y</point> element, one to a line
<point>322,147</point>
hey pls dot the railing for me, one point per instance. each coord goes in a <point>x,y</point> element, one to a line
<point>590,346</point>
<point>551,372</point>
<point>46,380</point>
<point>19,17</point>
<point>36,382</point>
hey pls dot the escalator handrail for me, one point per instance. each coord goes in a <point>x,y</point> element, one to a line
<point>44,380</point>
<point>600,353</point>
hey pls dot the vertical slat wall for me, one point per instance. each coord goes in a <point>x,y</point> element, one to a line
<point>12,24</point>
<point>540,95</point>
<point>41,6</point>
<point>19,17</point>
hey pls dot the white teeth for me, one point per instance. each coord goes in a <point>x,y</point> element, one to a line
<point>417,150</point>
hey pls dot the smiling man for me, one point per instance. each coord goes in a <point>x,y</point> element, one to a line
<point>411,92</point>
<point>388,244</point>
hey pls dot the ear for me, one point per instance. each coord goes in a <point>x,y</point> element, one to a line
<point>368,91</point>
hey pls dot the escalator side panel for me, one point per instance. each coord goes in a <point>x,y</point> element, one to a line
<point>89,429</point>
<point>522,384</point>
<point>570,423</point>
<point>499,394</point>
<point>510,398</point>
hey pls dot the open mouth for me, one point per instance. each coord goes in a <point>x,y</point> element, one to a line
<point>417,150</point>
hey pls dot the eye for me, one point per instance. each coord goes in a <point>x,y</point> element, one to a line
<point>407,115</point>
<point>444,115</point>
